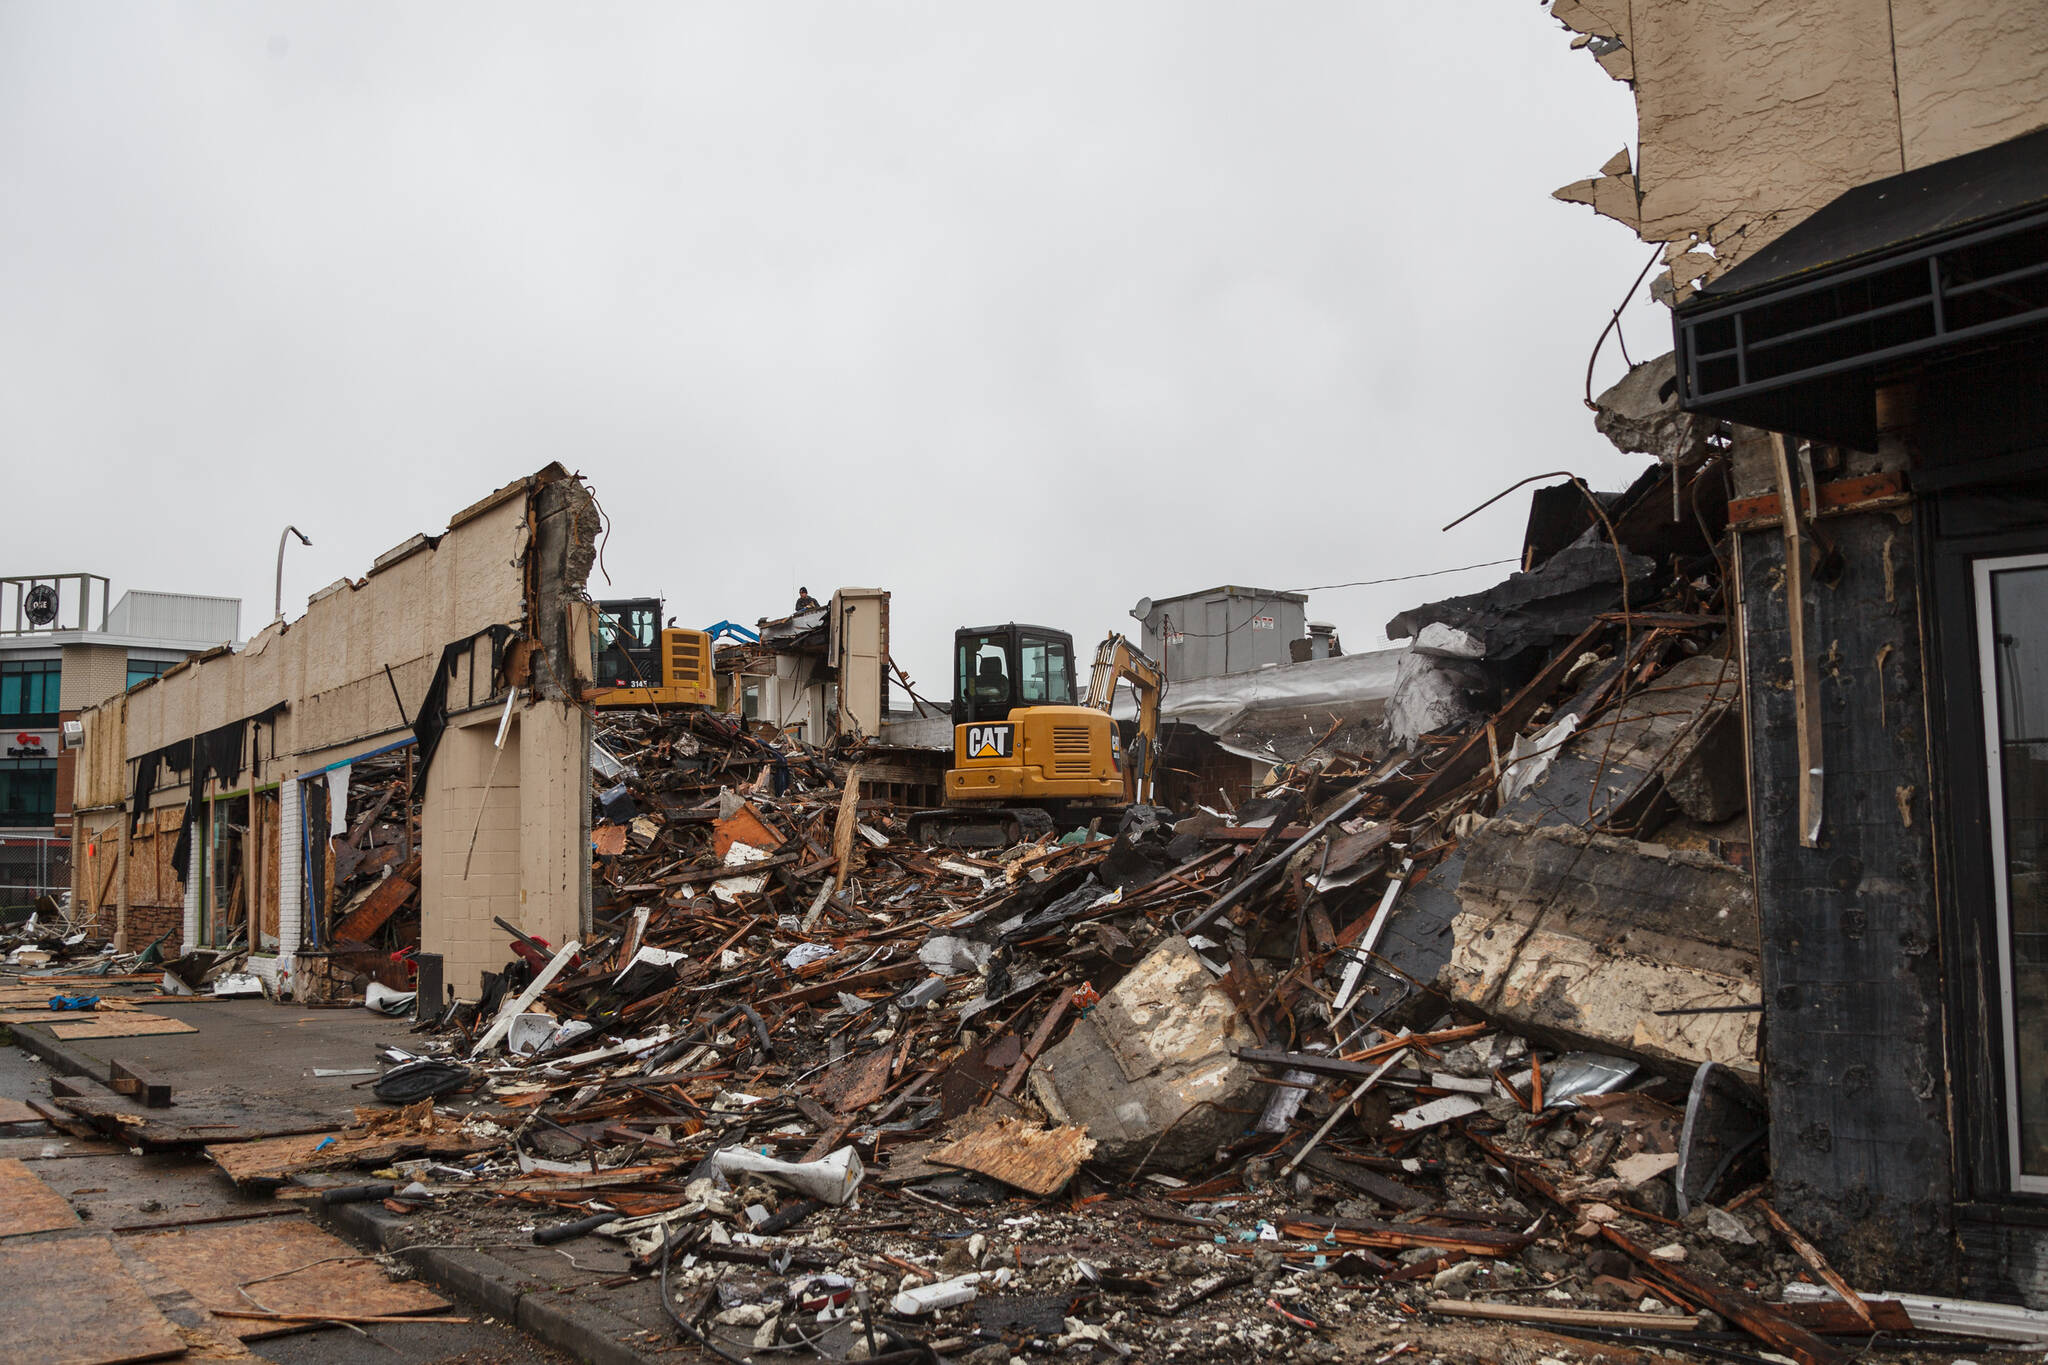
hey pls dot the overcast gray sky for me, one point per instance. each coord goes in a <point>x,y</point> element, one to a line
<point>1020,311</point>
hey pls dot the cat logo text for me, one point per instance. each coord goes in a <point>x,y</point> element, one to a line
<point>990,741</point>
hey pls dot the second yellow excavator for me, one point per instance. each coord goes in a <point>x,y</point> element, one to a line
<point>1026,755</point>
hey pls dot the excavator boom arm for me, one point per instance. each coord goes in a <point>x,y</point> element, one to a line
<point>1118,660</point>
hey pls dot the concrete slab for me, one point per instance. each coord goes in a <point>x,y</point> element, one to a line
<point>1151,1072</point>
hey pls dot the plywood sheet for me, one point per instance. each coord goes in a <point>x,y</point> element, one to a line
<point>138,1024</point>
<point>1036,1160</point>
<point>28,1205</point>
<point>79,1308</point>
<point>14,1111</point>
<point>19,1015</point>
<point>213,1263</point>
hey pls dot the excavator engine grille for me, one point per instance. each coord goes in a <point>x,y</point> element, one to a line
<point>1071,752</point>
<point>686,659</point>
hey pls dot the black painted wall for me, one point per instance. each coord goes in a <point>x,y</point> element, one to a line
<point>1853,1042</point>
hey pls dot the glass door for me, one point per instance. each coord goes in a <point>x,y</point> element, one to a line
<point>2012,644</point>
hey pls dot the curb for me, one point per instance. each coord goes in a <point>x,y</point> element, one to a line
<point>589,1333</point>
<point>30,1038</point>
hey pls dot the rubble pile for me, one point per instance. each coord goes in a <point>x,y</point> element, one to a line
<point>1446,1047</point>
<point>1166,1084</point>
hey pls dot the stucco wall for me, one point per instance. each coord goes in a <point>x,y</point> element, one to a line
<point>1751,114</point>
<point>515,559</point>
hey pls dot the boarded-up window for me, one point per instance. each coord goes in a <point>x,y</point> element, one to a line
<point>151,878</point>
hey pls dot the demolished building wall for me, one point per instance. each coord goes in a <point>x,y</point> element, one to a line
<point>1753,114</point>
<point>425,649</point>
<point>1858,1097</point>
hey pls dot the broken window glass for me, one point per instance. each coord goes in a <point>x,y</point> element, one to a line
<point>2012,624</point>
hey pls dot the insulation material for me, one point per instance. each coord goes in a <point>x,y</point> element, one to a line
<point>337,800</point>
<point>1218,705</point>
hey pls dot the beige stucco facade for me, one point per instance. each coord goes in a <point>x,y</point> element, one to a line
<point>349,678</point>
<point>1752,114</point>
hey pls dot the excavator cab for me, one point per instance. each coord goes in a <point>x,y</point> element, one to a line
<point>626,631</point>
<point>1000,669</point>
<point>639,663</point>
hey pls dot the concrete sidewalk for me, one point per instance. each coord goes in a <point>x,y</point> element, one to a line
<point>118,1194</point>
<point>260,1057</point>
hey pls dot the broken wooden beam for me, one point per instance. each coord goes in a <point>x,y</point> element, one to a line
<point>1370,1232</point>
<point>1746,1311</point>
<point>142,1086</point>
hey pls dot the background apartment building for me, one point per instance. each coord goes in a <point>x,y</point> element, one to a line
<point>64,647</point>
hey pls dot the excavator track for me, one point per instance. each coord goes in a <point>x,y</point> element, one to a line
<point>979,827</point>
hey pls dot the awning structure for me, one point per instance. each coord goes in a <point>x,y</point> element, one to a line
<point>1903,271</point>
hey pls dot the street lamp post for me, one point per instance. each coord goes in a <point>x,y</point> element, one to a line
<point>288,532</point>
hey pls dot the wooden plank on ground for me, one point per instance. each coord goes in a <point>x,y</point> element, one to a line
<point>28,1205</point>
<point>272,1161</point>
<point>1036,1160</point>
<point>80,1308</point>
<point>139,1024</point>
<point>215,1263</point>
<point>14,1111</point>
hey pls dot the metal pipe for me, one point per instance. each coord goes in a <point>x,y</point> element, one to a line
<point>281,539</point>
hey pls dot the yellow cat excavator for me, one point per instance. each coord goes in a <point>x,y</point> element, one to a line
<point>641,663</point>
<point>1026,755</point>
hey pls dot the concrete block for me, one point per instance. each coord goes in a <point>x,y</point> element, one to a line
<point>1578,939</point>
<point>1151,1070</point>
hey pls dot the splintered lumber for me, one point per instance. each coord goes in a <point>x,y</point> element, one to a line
<point>1560,1317</point>
<point>28,1205</point>
<point>1368,1232</point>
<point>846,828</point>
<point>1036,1045</point>
<point>80,1306</point>
<point>14,1111</point>
<point>137,1024</point>
<point>386,899</point>
<point>1751,1314</point>
<point>288,1268</point>
<point>1811,1255</point>
<point>1831,1319</point>
<point>1367,1182</point>
<point>1035,1160</point>
<point>803,995</point>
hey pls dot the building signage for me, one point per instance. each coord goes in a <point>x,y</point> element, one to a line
<point>1264,623</point>
<point>28,744</point>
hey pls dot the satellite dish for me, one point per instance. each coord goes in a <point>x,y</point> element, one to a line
<point>1142,610</point>
<point>40,605</point>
